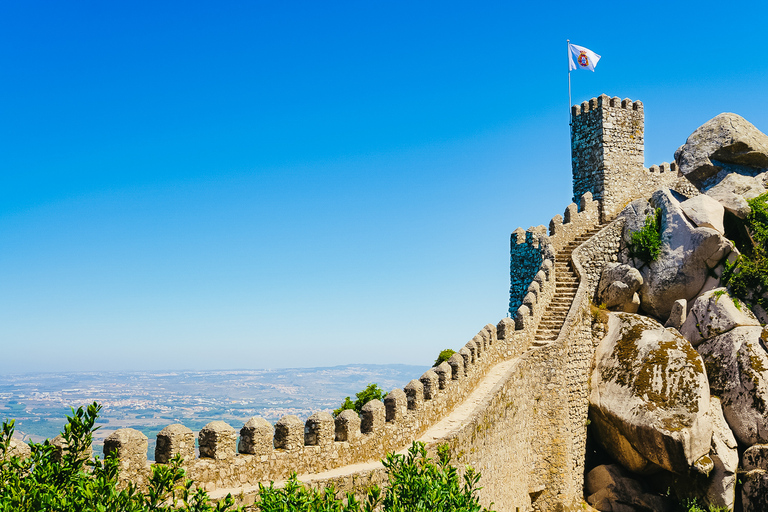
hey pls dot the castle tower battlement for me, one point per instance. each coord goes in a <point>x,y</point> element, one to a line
<point>607,151</point>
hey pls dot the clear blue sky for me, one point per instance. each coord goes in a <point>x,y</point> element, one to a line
<point>272,184</point>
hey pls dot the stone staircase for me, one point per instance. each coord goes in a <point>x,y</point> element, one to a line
<point>566,284</point>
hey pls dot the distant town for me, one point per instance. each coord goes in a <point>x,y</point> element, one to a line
<point>149,401</point>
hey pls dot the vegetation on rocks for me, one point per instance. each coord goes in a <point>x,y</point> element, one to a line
<point>371,392</point>
<point>645,243</point>
<point>747,277</point>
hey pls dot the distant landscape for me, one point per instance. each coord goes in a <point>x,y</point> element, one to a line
<point>149,401</point>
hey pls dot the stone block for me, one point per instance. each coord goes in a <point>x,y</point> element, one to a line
<point>217,440</point>
<point>257,437</point>
<point>395,403</point>
<point>443,371</point>
<point>414,393</point>
<point>456,362</point>
<point>175,439</point>
<point>130,448</point>
<point>467,355</point>
<point>319,430</point>
<point>60,446</point>
<point>347,425</point>
<point>505,328</point>
<point>472,348</point>
<point>571,213</point>
<point>522,318</point>
<point>430,381</point>
<point>373,417</point>
<point>289,433</point>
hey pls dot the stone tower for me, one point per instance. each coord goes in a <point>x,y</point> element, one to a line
<point>607,151</point>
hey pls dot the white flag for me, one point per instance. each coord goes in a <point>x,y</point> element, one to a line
<point>585,58</point>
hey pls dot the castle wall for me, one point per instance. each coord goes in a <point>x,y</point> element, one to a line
<point>526,432</point>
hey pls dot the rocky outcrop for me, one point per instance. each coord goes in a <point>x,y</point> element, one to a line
<point>737,367</point>
<point>649,399</point>
<point>726,138</point>
<point>610,487</point>
<point>733,191</point>
<point>678,314</point>
<point>686,257</point>
<point>618,287</point>
<point>715,312</point>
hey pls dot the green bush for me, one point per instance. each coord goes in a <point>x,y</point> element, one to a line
<point>416,484</point>
<point>371,392</point>
<point>747,277</point>
<point>645,243</point>
<point>443,356</point>
<point>76,484</point>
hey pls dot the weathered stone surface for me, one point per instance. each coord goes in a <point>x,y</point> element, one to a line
<point>60,445</point>
<point>443,371</point>
<point>456,362</point>
<point>430,381</point>
<point>755,478</point>
<point>611,488</point>
<point>734,190</point>
<point>714,313</point>
<point>687,252</point>
<point>720,486</point>
<point>705,212</point>
<point>395,403</point>
<point>727,138</point>
<point>414,392</point>
<point>618,284</point>
<point>347,425</point>
<point>257,437</point>
<point>289,433</point>
<point>649,399</point>
<point>319,430</point>
<point>16,448</point>
<point>755,457</point>
<point>175,439</point>
<point>217,440</point>
<point>737,367</point>
<point>130,448</point>
<point>373,417</point>
<point>677,315</point>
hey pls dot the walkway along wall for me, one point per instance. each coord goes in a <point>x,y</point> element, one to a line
<point>514,410</point>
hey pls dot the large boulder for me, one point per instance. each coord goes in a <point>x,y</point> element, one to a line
<point>733,191</point>
<point>713,313</point>
<point>705,212</point>
<point>610,487</point>
<point>618,287</point>
<point>737,367</point>
<point>754,492</point>
<point>649,398</point>
<point>726,138</point>
<point>687,254</point>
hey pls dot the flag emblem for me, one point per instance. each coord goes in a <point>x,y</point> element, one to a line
<point>585,58</point>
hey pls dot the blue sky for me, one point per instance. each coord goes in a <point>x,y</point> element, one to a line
<point>278,184</point>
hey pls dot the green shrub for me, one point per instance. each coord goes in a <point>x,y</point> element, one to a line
<point>645,243</point>
<point>76,484</point>
<point>747,277</point>
<point>443,356</point>
<point>416,484</point>
<point>371,392</point>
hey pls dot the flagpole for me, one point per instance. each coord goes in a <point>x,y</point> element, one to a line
<point>568,46</point>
